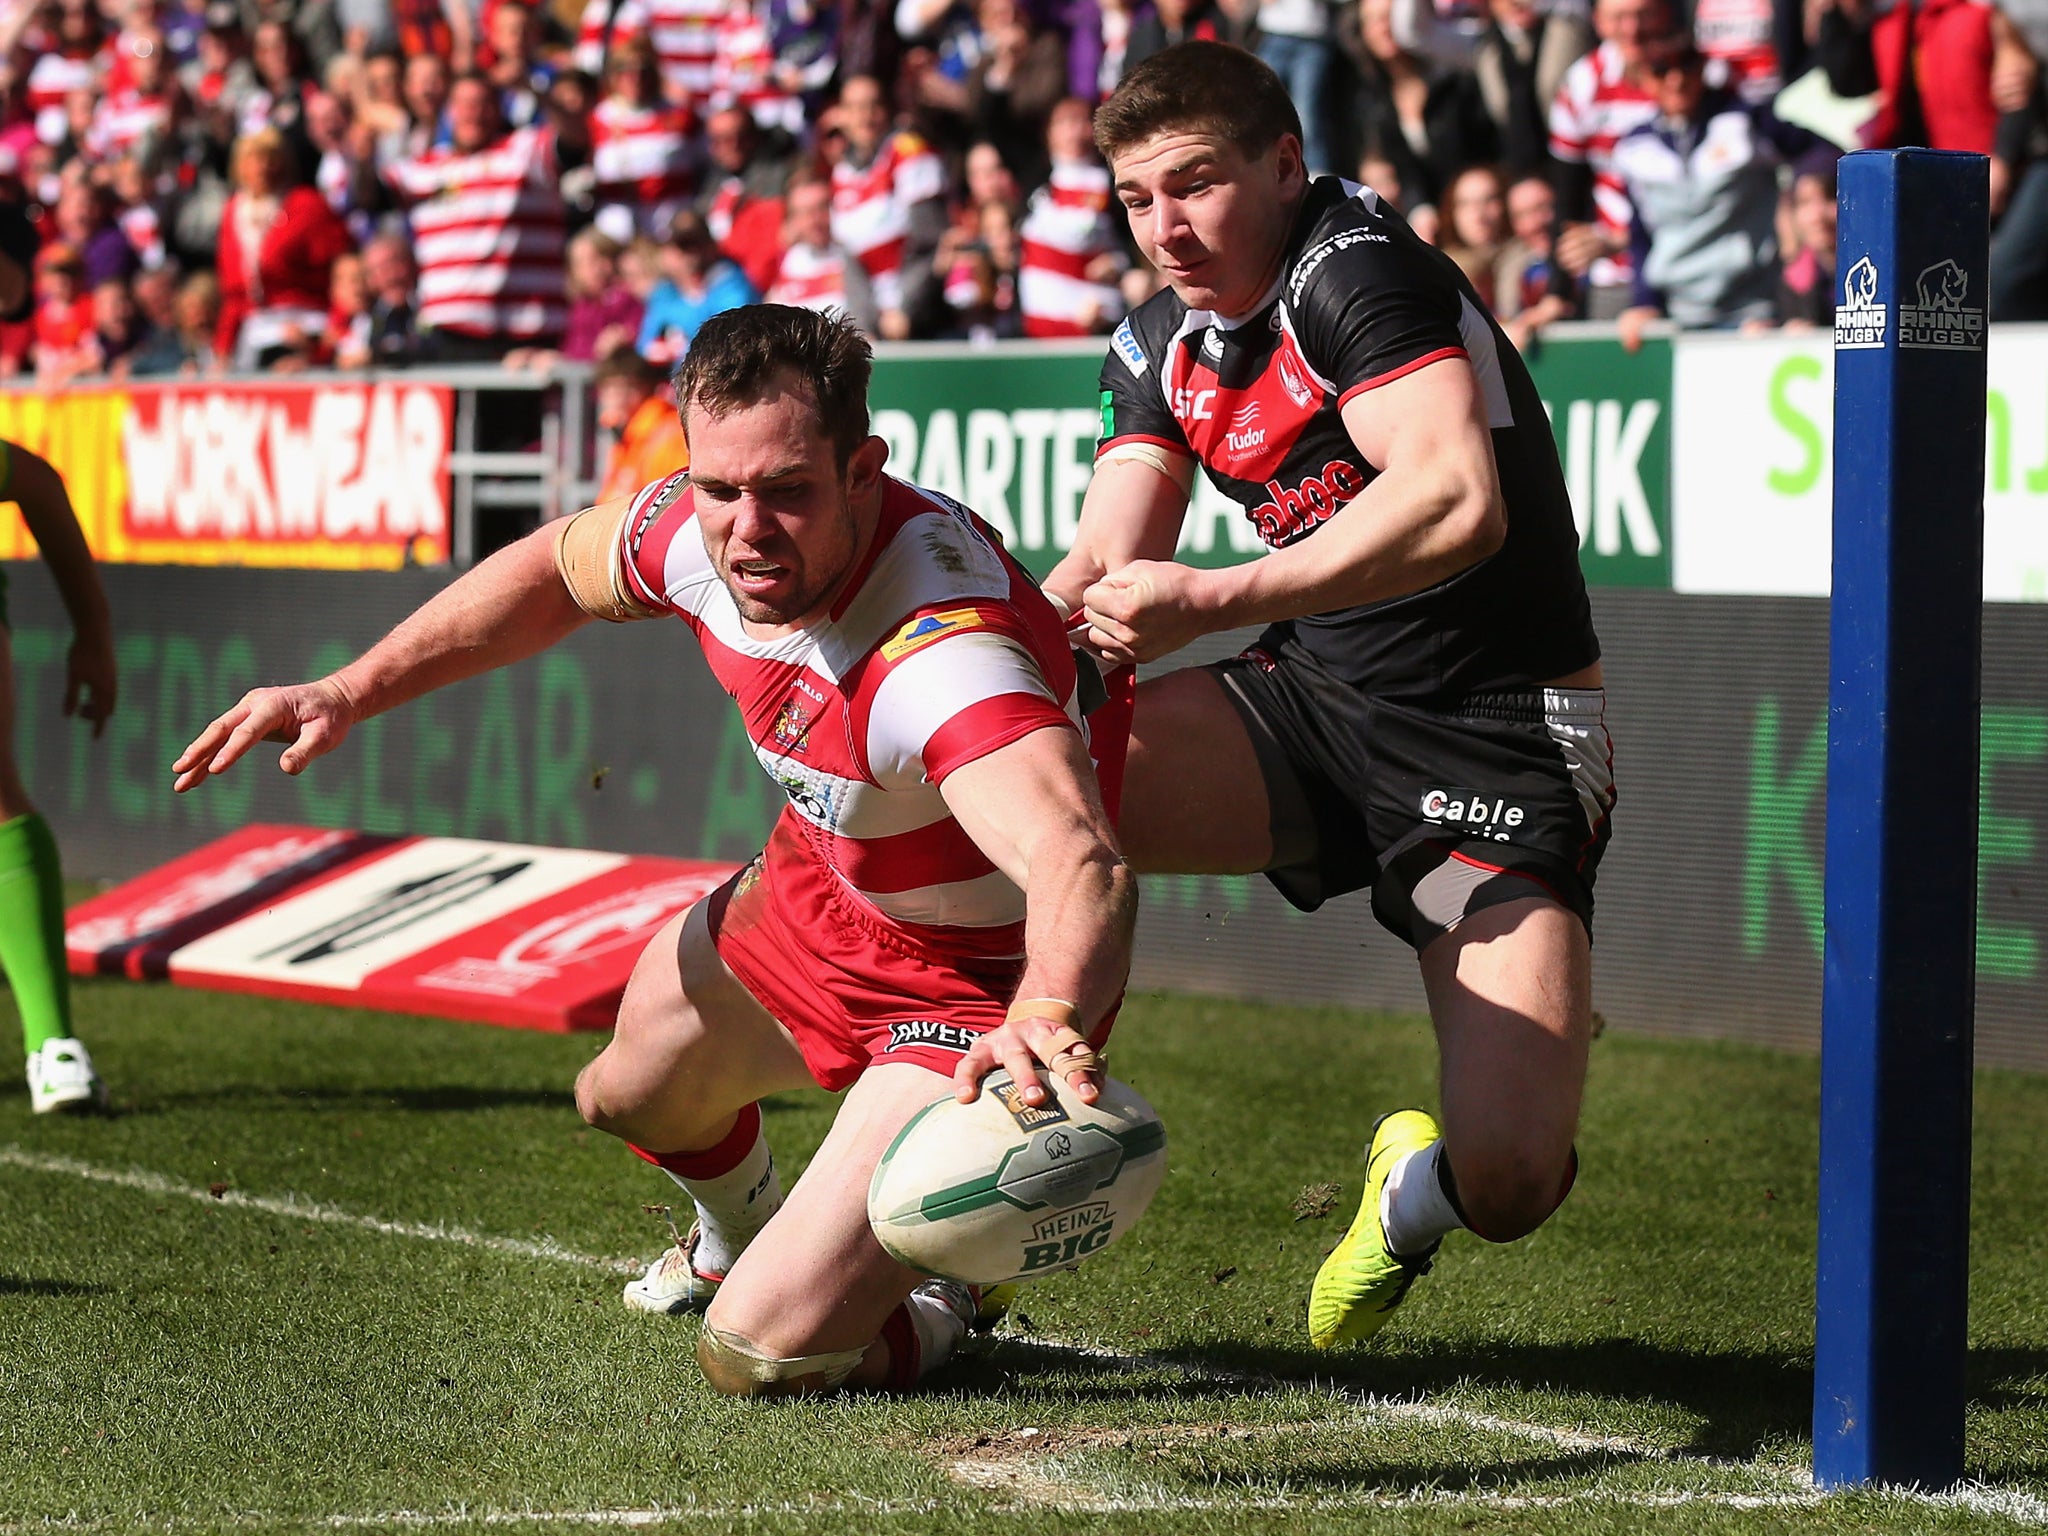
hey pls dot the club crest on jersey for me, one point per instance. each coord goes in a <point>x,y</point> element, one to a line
<point>921,632</point>
<point>1291,380</point>
<point>792,726</point>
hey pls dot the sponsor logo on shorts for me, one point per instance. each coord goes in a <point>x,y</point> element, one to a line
<point>919,633</point>
<point>1473,813</point>
<point>1067,1237</point>
<point>1125,345</point>
<point>1029,1117</point>
<point>906,1033</point>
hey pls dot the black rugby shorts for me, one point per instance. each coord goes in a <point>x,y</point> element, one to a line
<point>1440,809</point>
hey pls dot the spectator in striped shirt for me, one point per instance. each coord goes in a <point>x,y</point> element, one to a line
<point>1604,96</point>
<point>888,206</point>
<point>815,272</point>
<point>1071,258</point>
<point>490,230</point>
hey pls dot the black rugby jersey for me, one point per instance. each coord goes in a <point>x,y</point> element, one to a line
<point>1361,302</point>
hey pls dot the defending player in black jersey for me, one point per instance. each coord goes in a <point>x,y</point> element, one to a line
<point>1422,717</point>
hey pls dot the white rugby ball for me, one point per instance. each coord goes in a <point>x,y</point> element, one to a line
<point>999,1190</point>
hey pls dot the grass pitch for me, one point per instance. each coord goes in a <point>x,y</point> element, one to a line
<point>326,1270</point>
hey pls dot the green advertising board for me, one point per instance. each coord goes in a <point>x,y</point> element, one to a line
<point>1011,432</point>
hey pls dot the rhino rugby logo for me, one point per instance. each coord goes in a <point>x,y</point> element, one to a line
<point>1943,319</point>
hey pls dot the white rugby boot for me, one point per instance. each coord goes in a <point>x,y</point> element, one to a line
<point>673,1283</point>
<point>61,1077</point>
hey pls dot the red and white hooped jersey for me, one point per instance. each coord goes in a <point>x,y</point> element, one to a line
<point>871,208</point>
<point>743,72</point>
<point>1742,35</point>
<point>941,651</point>
<point>1596,104</point>
<point>489,230</point>
<point>683,34</point>
<point>645,155</point>
<point>1066,227</point>
<point>811,278</point>
<point>56,75</point>
<point>122,118</point>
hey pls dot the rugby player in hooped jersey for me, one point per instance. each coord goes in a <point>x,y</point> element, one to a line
<point>1423,715</point>
<point>944,872</point>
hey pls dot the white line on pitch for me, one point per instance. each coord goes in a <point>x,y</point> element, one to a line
<point>2021,1508</point>
<point>297,1209</point>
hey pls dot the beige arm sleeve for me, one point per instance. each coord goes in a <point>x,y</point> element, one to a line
<point>1177,467</point>
<point>587,555</point>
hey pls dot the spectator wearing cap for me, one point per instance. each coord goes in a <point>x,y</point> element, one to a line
<point>742,197</point>
<point>1806,286</point>
<point>1426,116</point>
<point>1702,183</point>
<point>490,228</point>
<point>1520,63</point>
<point>815,272</point>
<point>697,283</point>
<point>888,205</point>
<point>278,244</point>
<point>635,404</point>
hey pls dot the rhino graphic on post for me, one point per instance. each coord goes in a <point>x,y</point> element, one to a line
<point>1859,285</point>
<point>1943,286</point>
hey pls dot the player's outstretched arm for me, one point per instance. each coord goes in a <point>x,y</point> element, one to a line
<point>1434,510</point>
<point>1033,808</point>
<point>512,606</point>
<point>90,683</point>
<point>1133,511</point>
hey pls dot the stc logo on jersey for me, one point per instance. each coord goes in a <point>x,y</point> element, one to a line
<point>1293,511</point>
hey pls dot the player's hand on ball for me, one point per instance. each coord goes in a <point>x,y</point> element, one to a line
<point>309,718</point>
<point>1019,1047</point>
<point>1147,609</point>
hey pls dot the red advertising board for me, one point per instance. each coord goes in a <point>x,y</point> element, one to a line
<point>499,933</point>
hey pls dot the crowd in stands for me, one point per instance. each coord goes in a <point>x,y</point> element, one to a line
<point>295,184</point>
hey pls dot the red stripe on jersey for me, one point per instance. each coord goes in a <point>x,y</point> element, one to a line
<point>1413,366</point>
<point>938,854</point>
<point>988,727</point>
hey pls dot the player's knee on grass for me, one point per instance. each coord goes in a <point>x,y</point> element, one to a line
<point>1506,1193</point>
<point>738,1367</point>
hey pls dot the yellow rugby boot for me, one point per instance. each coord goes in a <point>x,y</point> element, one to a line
<point>992,1304</point>
<point>1361,1283</point>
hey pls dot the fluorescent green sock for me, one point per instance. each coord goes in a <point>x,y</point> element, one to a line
<point>32,929</point>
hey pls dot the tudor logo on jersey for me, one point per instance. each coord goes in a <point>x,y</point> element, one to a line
<point>1244,399</point>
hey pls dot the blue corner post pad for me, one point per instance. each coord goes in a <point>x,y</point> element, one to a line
<point>1903,721</point>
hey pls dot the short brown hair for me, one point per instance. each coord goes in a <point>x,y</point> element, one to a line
<point>1198,87</point>
<point>737,355</point>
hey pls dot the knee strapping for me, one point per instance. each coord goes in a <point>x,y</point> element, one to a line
<point>738,1367</point>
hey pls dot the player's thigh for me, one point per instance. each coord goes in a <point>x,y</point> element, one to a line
<point>1510,991</point>
<point>816,1280</point>
<point>14,799</point>
<point>692,1044</point>
<point>1194,799</point>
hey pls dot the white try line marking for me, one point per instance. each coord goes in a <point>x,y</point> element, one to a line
<point>2012,1504</point>
<point>297,1209</point>
<point>2021,1508</point>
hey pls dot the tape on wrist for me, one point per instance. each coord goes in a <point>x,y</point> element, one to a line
<point>1056,1010</point>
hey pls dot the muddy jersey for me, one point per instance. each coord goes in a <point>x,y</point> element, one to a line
<point>1361,302</point>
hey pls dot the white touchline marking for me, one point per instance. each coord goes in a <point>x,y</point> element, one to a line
<point>2013,1504</point>
<point>306,1210</point>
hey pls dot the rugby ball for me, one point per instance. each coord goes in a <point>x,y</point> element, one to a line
<point>1001,1190</point>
